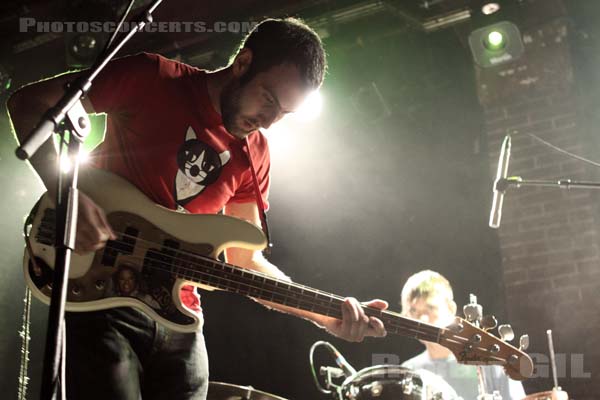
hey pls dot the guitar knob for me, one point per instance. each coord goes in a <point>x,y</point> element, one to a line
<point>524,342</point>
<point>75,290</point>
<point>506,332</point>
<point>100,284</point>
<point>488,322</point>
<point>495,348</point>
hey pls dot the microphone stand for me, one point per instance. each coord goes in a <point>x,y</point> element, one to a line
<point>517,181</point>
<point>67,115</point>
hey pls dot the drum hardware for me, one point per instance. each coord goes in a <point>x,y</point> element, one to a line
<point>556,393</point>
<point>392,382</point>
<point>331,372</point>
<point>344,369</point>
<point>380,382</point>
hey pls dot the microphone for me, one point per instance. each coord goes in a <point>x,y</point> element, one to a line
<point>500,184</point>
<point>341,361</point>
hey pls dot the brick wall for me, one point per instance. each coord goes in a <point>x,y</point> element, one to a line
<point>548,237</point>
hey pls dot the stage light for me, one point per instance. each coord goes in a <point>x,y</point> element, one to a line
<point>310,109</point>
<point>495,41</point>
<point>496,44</point>
<point>490,8</point>
<point>83,47</point>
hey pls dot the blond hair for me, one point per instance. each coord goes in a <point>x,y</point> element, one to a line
<point>423,285</point>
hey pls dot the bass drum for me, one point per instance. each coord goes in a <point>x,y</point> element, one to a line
<point>392,382</point>
<point>227,391</point>
<point>549,395</point>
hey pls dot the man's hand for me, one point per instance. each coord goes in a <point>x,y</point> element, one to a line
<point>355,325</point>
<point>93,229</point>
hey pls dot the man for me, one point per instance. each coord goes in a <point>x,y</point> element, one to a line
<point>427,296</point>
<point>182,136</point>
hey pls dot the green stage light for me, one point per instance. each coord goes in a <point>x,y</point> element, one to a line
<point>496,44</point>
<point>495,40</point>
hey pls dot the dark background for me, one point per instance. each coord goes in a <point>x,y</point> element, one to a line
<point>361,198</point>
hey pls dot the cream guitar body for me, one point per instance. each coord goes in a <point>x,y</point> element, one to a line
<point>153,246</point>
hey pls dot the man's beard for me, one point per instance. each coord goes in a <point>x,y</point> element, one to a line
<point>231,108</point>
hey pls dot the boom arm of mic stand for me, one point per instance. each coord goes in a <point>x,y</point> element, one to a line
<point>517,181</point>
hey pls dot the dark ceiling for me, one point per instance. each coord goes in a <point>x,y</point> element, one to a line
<point>414,12</point>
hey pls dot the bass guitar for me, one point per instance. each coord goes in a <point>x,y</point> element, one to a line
<point>159,250</point>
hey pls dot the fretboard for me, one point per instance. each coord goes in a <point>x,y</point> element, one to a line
<point>258,285</point>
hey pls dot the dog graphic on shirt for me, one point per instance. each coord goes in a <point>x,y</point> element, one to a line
<point>199,166</point>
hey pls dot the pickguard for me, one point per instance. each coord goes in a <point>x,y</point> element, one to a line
<point>138,269</point>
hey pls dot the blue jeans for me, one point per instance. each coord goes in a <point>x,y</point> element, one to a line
<point>122,354</point>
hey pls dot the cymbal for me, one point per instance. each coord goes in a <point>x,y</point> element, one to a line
<point>227,391</point>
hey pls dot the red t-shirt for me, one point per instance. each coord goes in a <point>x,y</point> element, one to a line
<point>164,136</point>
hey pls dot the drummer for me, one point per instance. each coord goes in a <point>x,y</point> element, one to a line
<point>427,296</point>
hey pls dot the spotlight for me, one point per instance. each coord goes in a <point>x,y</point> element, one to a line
<point>494,41</point>
<point>82,46</point>
<point>310,108</point>
<point>496,44</point>
<point>490,8</point>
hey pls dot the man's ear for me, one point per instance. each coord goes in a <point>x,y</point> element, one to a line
<point>242,62</point>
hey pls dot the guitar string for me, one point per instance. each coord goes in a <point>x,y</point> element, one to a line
<point>299,298</point>
<point>433,330</point>
<point>209,259</point>
<point>422,327</point>
<point>401,327</point>
<point>214,262</point>
<point>405,324</point>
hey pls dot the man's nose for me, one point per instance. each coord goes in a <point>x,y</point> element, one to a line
<point>270,119</point>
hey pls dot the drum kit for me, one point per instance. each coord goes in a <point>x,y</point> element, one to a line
<point>383,382</point>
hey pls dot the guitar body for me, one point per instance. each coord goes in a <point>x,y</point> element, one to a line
<point>146,266</point>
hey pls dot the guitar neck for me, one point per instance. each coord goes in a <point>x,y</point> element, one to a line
<point>258,285</point>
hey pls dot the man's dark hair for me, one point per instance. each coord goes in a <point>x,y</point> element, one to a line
<point>286,41</point>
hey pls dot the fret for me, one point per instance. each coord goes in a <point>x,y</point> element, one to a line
<point>278,298</point>
<point>221,285</point>
<point>258,288</point>
<point>255,292</point>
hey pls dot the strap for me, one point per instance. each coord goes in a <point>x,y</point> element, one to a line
<point>259,199</point>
